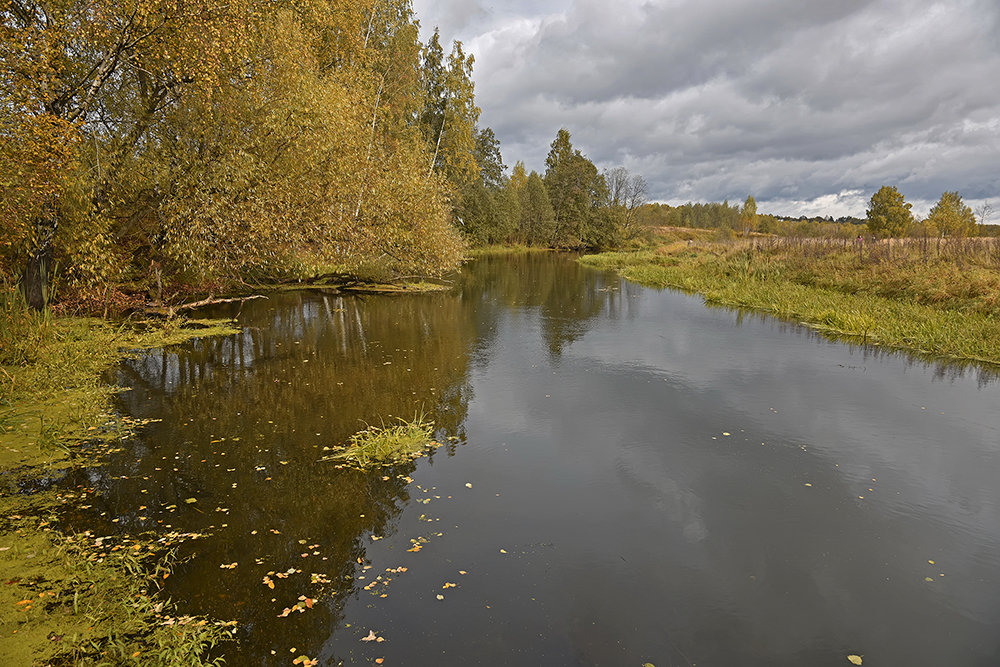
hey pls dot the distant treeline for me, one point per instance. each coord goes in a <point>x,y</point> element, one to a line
<point>888,215</point>
<point>732,218</point>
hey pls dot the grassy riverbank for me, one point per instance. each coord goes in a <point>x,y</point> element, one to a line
<point>935,298</point>
<point>77,599</point>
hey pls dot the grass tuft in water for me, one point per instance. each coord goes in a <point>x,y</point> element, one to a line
<point>386,445</point>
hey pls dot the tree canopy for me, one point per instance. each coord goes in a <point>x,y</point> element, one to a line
<point>577,192</point>
<point>951,217</point>
<point>888,212</point>
<point>227,139</point>
<point>155,143</point>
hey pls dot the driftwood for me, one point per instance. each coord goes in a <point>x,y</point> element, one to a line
<point>170,311</point>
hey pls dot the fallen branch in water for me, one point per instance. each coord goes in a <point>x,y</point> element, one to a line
<point>170,311</point>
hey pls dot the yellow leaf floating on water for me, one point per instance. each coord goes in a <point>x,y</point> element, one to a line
<point>854,659</point>
<point>370,638</point>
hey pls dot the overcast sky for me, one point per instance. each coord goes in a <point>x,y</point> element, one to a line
<point>810,105</point>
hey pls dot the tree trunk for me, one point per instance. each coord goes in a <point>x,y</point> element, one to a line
<point>35,282</point>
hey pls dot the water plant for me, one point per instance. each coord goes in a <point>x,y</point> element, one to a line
<point>385,445</point>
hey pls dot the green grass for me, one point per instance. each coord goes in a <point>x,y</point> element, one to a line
<point>901,296</point>
<point>386,445</point>
<point>51,393</point>
<point>70,601</point>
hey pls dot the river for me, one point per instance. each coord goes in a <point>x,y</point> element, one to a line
<point>627,476</point>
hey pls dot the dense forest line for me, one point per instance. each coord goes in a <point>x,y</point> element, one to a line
<point>154,145</point>
<point>157,141</point>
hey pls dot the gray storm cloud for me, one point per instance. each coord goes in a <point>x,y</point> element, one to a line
<point>810,106</point>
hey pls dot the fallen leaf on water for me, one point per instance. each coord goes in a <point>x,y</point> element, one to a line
<point>449,585</point>
<point>379,661</point>
<point>854,659</point>
<point>440,597</point>
<point>229,566</point>
<point>370,638</point>
<point>191,500</point>
<point>462,572</point>
<point>468,484</point>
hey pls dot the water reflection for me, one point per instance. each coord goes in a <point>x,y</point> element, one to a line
<point>628,477</point>
<point>241,422</point>
<point>945,368</point>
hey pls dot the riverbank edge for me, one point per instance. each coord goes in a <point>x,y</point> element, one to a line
<point>933,333</point>
<point>73,598</point>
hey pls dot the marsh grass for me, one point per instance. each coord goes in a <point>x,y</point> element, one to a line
<point>51,392</point>
<point>940,299</point>
<point>387,445</point>
<point>74,602</point>
<point>87,600</point>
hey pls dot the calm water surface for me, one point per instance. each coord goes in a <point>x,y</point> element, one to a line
<point>628,477</point>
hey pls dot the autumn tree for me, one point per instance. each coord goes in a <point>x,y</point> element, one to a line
<point>983,212</point>
<point>223,139</point>
<point>888,212</point>
<point>538,218</point>
<point>579,197</point>
<point>449,115</point>
<point>748,215</point>
<point>518,176</point>
<point>100,74</point>
<point>626,193</point>
<point>951,217</point>
<point>489,209</point>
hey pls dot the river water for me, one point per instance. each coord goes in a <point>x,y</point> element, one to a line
<point>627,476</point>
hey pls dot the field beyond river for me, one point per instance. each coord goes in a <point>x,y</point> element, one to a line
<point>937,297</point>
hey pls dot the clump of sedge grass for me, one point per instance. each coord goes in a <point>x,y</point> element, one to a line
<point>386,445</point>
